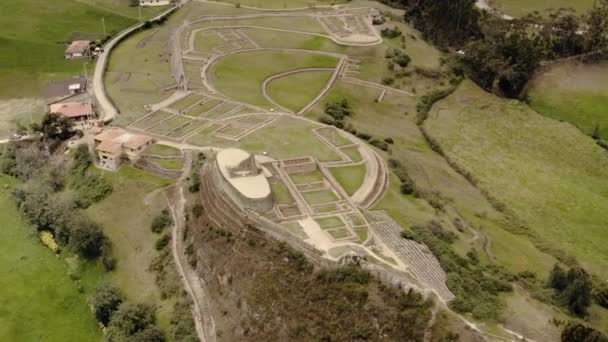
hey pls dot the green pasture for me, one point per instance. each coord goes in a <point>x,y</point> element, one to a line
<point>38,301</point>
<point>349,177</point>
<point>519,8</point>
<point>269,38</point>
<point>297,23</point>
<point>133,206</point>
<point>297,90</point>
<point>31,41</point>
<point>240,75</point>
<point>550,174</point>
<point>575,93</point>
<point>170,164</point>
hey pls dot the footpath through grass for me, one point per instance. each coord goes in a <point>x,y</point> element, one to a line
<point>38,301</point>
<point>550,174</point>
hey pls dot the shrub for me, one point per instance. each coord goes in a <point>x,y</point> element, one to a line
<point>390,32</point>
<point>162,242</point>
<point>363,136</point>
<point>104,302</point>
<point>47,239</point>
<point>338,110</point>
<point>162,221</point>
<point>197,210</point>
<point>134,322</point>
<point>86,238</point>
<point>388,81</point>
<point>408,235</point>
<point>577,332</point>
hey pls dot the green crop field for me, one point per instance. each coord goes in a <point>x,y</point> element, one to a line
<point>32,36</point>
<point>349,177</point>
<point>575,93</point>
<point>38,301</point>
<point>297,90</point>
<point>550,174</point>
<point>519,8</point>
<point>240,76</point>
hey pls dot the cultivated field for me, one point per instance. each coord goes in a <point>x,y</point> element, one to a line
<point>575,93</point>
<point>548,173</point>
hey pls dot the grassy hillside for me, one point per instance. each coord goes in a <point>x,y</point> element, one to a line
<point>550,174</point>
<point>32,33</point>
<point>38,301</point>
<point>519,8</point>
<point>575,93</point>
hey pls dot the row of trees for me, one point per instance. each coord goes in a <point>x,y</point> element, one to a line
<point>501,55</point>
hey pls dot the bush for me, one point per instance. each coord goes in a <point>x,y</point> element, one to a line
<point>577,332</point>
<point>86,238</point>
<point>91,188</point>
<point>134,322</point>
<point>390,32</point>
<point>162,221</point>
<point>104,302</point>
<point>338,110</point>
<point>162,242</point>
<point>47,239</point>
<point>197,210</point>
<point>428,100</point>
<point>408,235</point>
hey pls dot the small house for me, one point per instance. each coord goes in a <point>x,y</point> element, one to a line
<point>112,144</point>
<point>78,111</point>
<point>77,49</point>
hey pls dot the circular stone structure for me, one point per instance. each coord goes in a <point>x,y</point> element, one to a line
<point>244,180</point>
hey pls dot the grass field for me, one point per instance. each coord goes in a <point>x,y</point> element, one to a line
<point>575,93</point>
<point>240,75</point>
<point>280,194</point>
<point>286,137</point>
<point>330,222</point>
<point>297,90</point>
<point>290,40</point>
<point>128,228</point>
<point>163,150</point>
<point>24,111</point>
<point>32,35</point>
<point>186,102</point>
<point>353,153</point>
<point>349,177</point>
<point>280,4</point>
<point>38,301</point>
<point>319,197</point>
<point>170,164</point>
<point>519,8</point>
<point>548,173</point>
<point>303,178</point>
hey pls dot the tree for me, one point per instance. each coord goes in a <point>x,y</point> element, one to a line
<point>54,127</point>
<point>596,133</point>
<point>596,36</point>
<point>131,321</point>
<point>577,332</point>
<point>162,221</point>
<point>557,278</point>
<point>86,237</point>
<point>105,302</point>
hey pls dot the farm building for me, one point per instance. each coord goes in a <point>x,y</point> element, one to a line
<point>155,2</point>
<point>78,111</point>
<point>77,49</point>
<point>112,144</point>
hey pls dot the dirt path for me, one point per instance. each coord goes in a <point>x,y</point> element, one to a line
<point>205,326</point>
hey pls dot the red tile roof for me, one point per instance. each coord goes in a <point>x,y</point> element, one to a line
<point>72,109</point>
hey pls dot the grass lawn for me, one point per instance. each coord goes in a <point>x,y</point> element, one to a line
<point>356,220</point>
<point>550,174</point>
<point>353,153</point>
<point>169,125</point>
<point>325,208</point>
<point>280,4</point>
<point>339,233</point>
<point>24,111</point>
<point>295,229</point>
<point>289,40</point>
<point>163,150</point>
<point>31,41</point>
<point>204,107</point>
<point>240,75</point>
<point>310,177</point>
<point>286,137</point>
<point>137,73</point>
<point>170,164</point>
<point>334,136</point>
<point>319,197</point>
<point>132,209</point>
<point>349,177</point>
<point>519,8</point>
<point>152,119</point>
<point>575,93</point>
<point>297,90</point>
<point>330,222</point>
<point>361,233</point>
<point>280,193</point>
<point>38,301</point>
<point>186,102</point>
